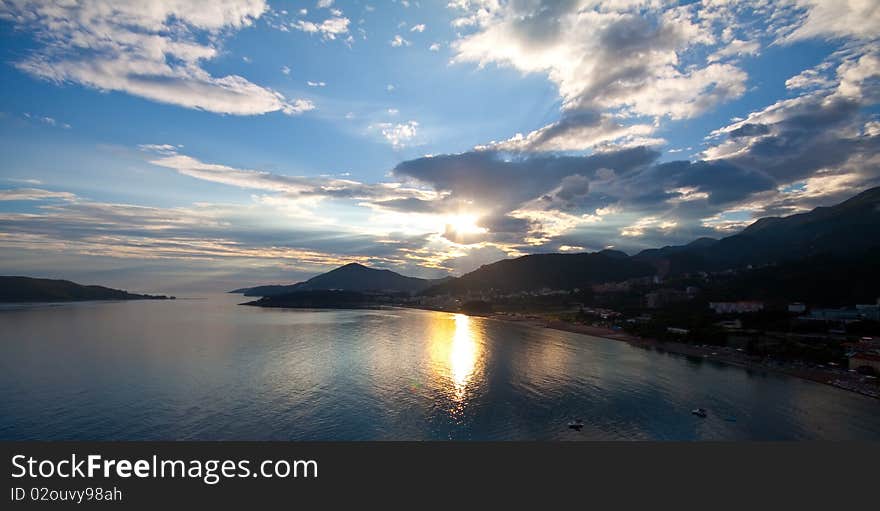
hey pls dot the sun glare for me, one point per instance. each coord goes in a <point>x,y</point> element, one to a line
<point>464,224</point>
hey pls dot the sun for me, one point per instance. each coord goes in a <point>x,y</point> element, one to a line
<point>464,224</point>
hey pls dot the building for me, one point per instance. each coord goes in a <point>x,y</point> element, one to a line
<point>870,312</point>
<point>865,360</point>
<point>835,315</point>
<point>661,297</point>
<point>732,324</point>
<point>736,307</point>
<point>797,307</point>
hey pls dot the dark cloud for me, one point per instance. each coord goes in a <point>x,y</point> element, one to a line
<point>502,181</point>
<point>749,130</point>
<point>721,180</point>
<point>409,205</point>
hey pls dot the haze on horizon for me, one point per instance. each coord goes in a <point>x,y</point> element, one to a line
<point>165,147</point>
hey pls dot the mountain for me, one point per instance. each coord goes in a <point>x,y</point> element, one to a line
<point>27,289</point>
<point>270,290</point>
<point>850,229</point>
<point>322,299</point>
<point>553,271</point>
<point>351,277</point>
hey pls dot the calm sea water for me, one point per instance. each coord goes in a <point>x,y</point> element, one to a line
<point>209,369</point>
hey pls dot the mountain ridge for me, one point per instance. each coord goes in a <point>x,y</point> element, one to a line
<point>349,277</point>
<point>849,229</point>
<point>30,289</point>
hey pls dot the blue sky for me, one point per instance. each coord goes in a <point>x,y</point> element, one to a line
<point>165,146</point>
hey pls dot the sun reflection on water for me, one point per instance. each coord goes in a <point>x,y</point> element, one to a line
<point>463,353</point>
<point>455,352</point>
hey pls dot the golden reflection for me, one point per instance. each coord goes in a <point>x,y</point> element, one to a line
<point>455,352</point>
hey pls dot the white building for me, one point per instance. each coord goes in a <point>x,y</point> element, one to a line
<point>736,307</point>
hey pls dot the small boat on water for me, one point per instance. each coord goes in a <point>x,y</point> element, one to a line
<point>576,425</point>
<point>699,412</point>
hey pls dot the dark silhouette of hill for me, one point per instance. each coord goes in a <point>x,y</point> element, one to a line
<point>351,277</point>
<point>850,229</point>
<point>320,299</point>
<point>822,242</point>
<point>27,289</point>
<point>270,290</point>
<point>553,271</point>
<point>826,281</point>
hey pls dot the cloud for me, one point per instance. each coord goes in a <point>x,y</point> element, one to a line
<point>399,41</point>
<point>581,130</point>
<point>856,19</point>
<point>623,69</point>
<point>330,28</point>
<point>619,197</point>
<point>603,56</point>
<point>735,48</point>
<point>315,84</point>
<point>50,121</point>
<point>30,194</point>
<point>292,187</point>
<point>617,63</point>
<point>823,130</point>
<point>154,50</point>
<point>398,134</point>
<point>418,28</point>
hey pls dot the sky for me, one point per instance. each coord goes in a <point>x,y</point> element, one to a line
<point>175,146</point>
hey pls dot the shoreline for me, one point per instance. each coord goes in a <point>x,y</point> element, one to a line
<point>839,379</point>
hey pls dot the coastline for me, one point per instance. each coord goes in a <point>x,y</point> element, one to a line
<point>840,379</point>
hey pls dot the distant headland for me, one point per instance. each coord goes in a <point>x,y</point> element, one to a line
<point>28,289</point>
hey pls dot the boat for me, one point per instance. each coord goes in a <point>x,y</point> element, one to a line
<point>576,425</point>
<point>699,412</point>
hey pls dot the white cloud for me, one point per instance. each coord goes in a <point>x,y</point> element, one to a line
<point>292,187</point>
<point>34,194</point>
<point>578,132</point>
<point>644,224</point>
<point>814,77</point>
<point>285,70</point>
<point>434,47</point>
<point>398,135</point>
<point>324,4</point>
<point>315,84</point>
<point>623,58</point>
<point>166,149</point>
<point>399,41</point>
<point>859,19</point>
<point>330,29</point>
<point>736,48</point>
<point>50,121</point>
<point>418,28</point>
<point>153,50</point>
